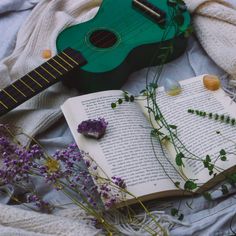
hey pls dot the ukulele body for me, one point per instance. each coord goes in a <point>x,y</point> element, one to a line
<point>119,40</point>
<point>100,54</point>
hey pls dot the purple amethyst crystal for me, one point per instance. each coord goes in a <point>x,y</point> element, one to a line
<point>93,128</point>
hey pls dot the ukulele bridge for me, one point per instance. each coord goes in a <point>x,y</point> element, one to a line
<point>150,10</point>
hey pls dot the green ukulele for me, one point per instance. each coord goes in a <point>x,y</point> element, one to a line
<point>100,54</point>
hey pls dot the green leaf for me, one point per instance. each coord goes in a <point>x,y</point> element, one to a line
<point>177,184</point>
<point>208,159</point>
<point>223,158</point>
<point>210,167</point>
<point>156,132</point>
<point>190,185</point>
<point>232,121</point>
<point>173,126</point>
<point>153,85</point>
<point>205,163</point>
<point>131,98</point>
<point>120,101</point>
<point>232,178</point>
<point>222,152</point>
<point>157,117</point>
<point>126,98</point>
<point>178,159</point>
<point>207,196</point>
<point>174,211</point>
<point>113,105</point>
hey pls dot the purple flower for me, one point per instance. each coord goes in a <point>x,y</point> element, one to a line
<point>93,128</point>
<point>17,161</point>
<point>119,182</point>
<point>111,202</point>
<point>42,205</point>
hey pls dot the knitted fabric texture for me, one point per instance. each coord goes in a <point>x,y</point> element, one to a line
<point>18,222</point>
<point>38,33</point>
<point>215,27</point>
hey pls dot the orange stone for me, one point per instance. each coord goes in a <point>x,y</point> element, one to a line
<point>211,82</point>
<point>47,53</point>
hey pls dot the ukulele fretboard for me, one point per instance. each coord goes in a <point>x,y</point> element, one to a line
<point>39,79</point>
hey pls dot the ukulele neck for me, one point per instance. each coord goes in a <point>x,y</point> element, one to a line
<point>39,79</point>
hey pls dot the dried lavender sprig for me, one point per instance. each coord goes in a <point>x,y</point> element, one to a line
<point>219,117</point>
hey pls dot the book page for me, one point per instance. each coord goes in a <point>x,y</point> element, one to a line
<point>197,133</point>
<point>126,149</point>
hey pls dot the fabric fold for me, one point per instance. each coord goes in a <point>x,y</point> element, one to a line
<point>39,32</point>
<point>214,24</point>
<point>22,222</point>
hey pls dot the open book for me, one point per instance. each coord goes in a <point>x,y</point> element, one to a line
<point>126,149</point>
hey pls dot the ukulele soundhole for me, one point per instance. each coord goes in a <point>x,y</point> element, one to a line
<point>103,38</point>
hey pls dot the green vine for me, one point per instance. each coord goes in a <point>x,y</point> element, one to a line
<point>182,152</point>
<point>214,116</point>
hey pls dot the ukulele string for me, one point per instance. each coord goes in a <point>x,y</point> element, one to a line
<point>101,39</point>
<point>107,37</point>
<point>135,28</point>
<point>165,34</point>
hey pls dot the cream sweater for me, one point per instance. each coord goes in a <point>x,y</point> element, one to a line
<point>38,33</point>
<point>215,27</point>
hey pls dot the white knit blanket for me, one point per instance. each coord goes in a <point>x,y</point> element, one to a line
<point>17,222</point>
<point>37,34</point>
<point>214,23</point>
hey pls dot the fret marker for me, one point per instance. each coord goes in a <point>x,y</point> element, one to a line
<point>9,95</point>
<point>54,68</point>
<point>35,81</point>
<point>65,61</point>
<point>26,85</point>
<point>3,105</point>
<point>41,76</point>
<point>59,64</point>
<point>18,90</point>
<point>48,72</point>
<point>70,58</point>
